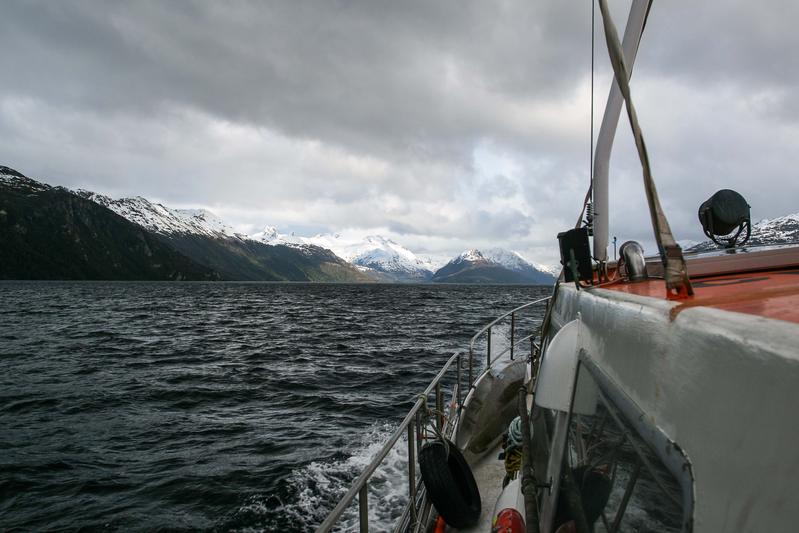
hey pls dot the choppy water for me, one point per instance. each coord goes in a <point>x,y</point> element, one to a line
<point>221,406</point>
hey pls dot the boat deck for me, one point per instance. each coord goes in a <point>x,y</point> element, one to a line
<point>769,294</point>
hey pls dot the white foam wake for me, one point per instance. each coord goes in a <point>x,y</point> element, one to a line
<point>320,485</point>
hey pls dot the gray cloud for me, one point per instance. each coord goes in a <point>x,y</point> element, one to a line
<point>360,74</point>
<point>444,123</point>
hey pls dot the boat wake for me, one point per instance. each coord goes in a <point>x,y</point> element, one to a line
<point>318,486</point>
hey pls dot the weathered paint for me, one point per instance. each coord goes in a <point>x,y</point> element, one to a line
<point>723,385</point>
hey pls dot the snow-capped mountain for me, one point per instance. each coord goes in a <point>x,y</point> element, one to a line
<point>780,230</point>
<point>514,261</point>
<point>52,233</point>
<point>271,236</point>
<point>495,265</point>
<point>196,243</point>
<point>12,179</point>
<point>379,254</point>
<point>374,254</point>
<point>161,219</point>
<point>205,238</point>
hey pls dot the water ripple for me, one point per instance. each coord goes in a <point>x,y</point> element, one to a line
<point>221,406</point>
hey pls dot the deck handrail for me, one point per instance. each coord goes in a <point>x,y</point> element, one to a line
<point>411,421</point>
<point>487,329</point>
<point>360,484</point>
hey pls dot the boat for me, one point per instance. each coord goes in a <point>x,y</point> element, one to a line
<point>656,393</point>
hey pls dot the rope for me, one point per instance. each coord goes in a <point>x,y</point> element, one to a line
<point>427,414</point>
<point>513,450</point>
<point>515,433</point>
<point>677,283</point>
<point>513,463</point>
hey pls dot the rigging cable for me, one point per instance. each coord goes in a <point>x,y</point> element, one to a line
<point>588,203</point>
<point>591,155</point>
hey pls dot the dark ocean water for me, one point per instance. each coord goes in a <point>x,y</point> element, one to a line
<point>219,406</point>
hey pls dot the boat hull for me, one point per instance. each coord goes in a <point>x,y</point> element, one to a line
<point>720,385</point>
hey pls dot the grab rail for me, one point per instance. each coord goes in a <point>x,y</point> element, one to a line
<point>412,426</point>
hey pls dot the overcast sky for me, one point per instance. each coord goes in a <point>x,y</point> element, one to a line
<point>444,125</point>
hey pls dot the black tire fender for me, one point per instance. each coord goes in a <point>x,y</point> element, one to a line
<point>450,484</point>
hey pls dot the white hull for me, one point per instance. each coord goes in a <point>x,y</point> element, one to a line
<point>721,386</point>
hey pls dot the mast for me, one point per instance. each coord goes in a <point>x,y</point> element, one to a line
<point>607,131</point>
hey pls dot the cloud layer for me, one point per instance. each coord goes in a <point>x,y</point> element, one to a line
<point>444,125</point>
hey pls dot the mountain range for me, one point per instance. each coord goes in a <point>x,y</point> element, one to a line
<point>495,265</point>
<point>50,233</point>
<point>55,233</point>
<point>381,258</point>
<point>780,230</point>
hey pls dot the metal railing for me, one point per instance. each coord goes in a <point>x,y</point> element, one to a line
<point>412,425</point>
<point>513,341</point>
<point>416,511</point>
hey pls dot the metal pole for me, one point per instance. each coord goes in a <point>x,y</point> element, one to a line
<point>459,382</point>
<point>527,475</point>
<point>363,508</point>
<point>488,351</point>
<point>532,359</point>
<point>471,358</point>
<point>628,491</point>
<point>512,333</point>
<point>439,407</point>
<point>607,131</point>
<point>411,472</point>
<point>418,433</point>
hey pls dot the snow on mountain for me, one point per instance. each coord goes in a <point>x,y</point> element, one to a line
<point>471,255</point>
<point>11,178</point>
<point>494,265</point>
<point>374,252</point>
<point>164,220</point>
<point>150,215</point>
<point>385,255</point>
<point>504,257</point>
<point>507,258</point>
<point>371,253</point>
<point>271,236</point>
<point>780,230</point>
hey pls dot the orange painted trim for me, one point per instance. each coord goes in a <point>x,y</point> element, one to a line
<point>767,294</point>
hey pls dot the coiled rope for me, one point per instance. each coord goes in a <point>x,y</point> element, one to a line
<point>513,449</point>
